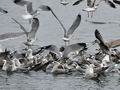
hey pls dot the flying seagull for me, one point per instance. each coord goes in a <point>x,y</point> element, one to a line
<point>29,9</point>
<point>3,11</point>
<point>30,35</point>
<point>73,27</point>
<point>10,35</point>
<point>92,5</point>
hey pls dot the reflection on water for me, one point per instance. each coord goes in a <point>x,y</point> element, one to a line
<point>50,32</point>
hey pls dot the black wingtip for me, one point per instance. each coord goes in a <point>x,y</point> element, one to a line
<point>16,1</point>
<point>5,11</point>
<point>96,32</point>
<point>111,4</point>
<point>77,2</point>
<point>116,2</point>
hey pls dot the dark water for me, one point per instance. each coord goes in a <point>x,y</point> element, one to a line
<point>50,32</point>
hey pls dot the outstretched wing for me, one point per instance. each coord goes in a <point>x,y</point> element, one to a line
<point>77,2</point>
<point>21,26</point>
<point>11,35</point>
<point>47,8</point>
<point>34,28</point>
<point>116,1</point>
<point>103,46</point>
<point>29,7</point>
<point>44,8</point>
<point>74,25</point>
<point>73,48</point>
<point>111,4</point>
<point>98,36</point>
<point>113,43</point>
<point>3,11</point>
<point>21,2</point>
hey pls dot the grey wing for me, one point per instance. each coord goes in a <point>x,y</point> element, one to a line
<point>98,36</point>
<point>11,35</point>
<point>116,1</point>
<point>73,48</point>
<point>21,2</point>
<point>44,8</point>
<point>113,43</point>
<point>77,2</point>
<point>74,25</point>
<point>29,8</point>
<point>21,26</point>
<point>111,4</point>
<point>3,11</point>
<point>53,49</point>
<point>34,28</point>
<point>89,3</point>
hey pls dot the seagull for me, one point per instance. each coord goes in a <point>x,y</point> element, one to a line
<point>30,35</point>
<point>92,5</point>
<point>70,31</point>
<point>29,9</point>
<point>10,35</point>
<point>110,3</point>
<point>64,2</point>
<point>3,11</point>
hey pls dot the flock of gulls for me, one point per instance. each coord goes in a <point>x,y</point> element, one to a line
<point>67,59</point>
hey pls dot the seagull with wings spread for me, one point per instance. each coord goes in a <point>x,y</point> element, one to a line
<point>92,5</point>
<point>70,31</point>
<point>30,35</point>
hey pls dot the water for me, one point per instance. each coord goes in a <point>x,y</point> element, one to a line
<point>50,32</point>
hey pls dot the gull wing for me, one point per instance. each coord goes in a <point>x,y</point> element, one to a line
<point>3,11</point>
<point>34,28</point>
<point>111,4</point>
<point>53,49</point>
<point>44,8</point>
<point>21,26</point>
<point>47,8</point>
<point>74,25</point>
<point>29,8</point>
<point>21,2</point>
<point>96,22</point>
<point>102,45</point>
<point>73,48</point>
<point>116,1</point>
<point>91,3</point>
<point>98,36</point>
<point>10,35</point>
<point>77,2</point>
<point>113,43</point>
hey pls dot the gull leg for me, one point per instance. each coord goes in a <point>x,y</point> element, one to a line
<point>88,14</point>
<point>91,14</point>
